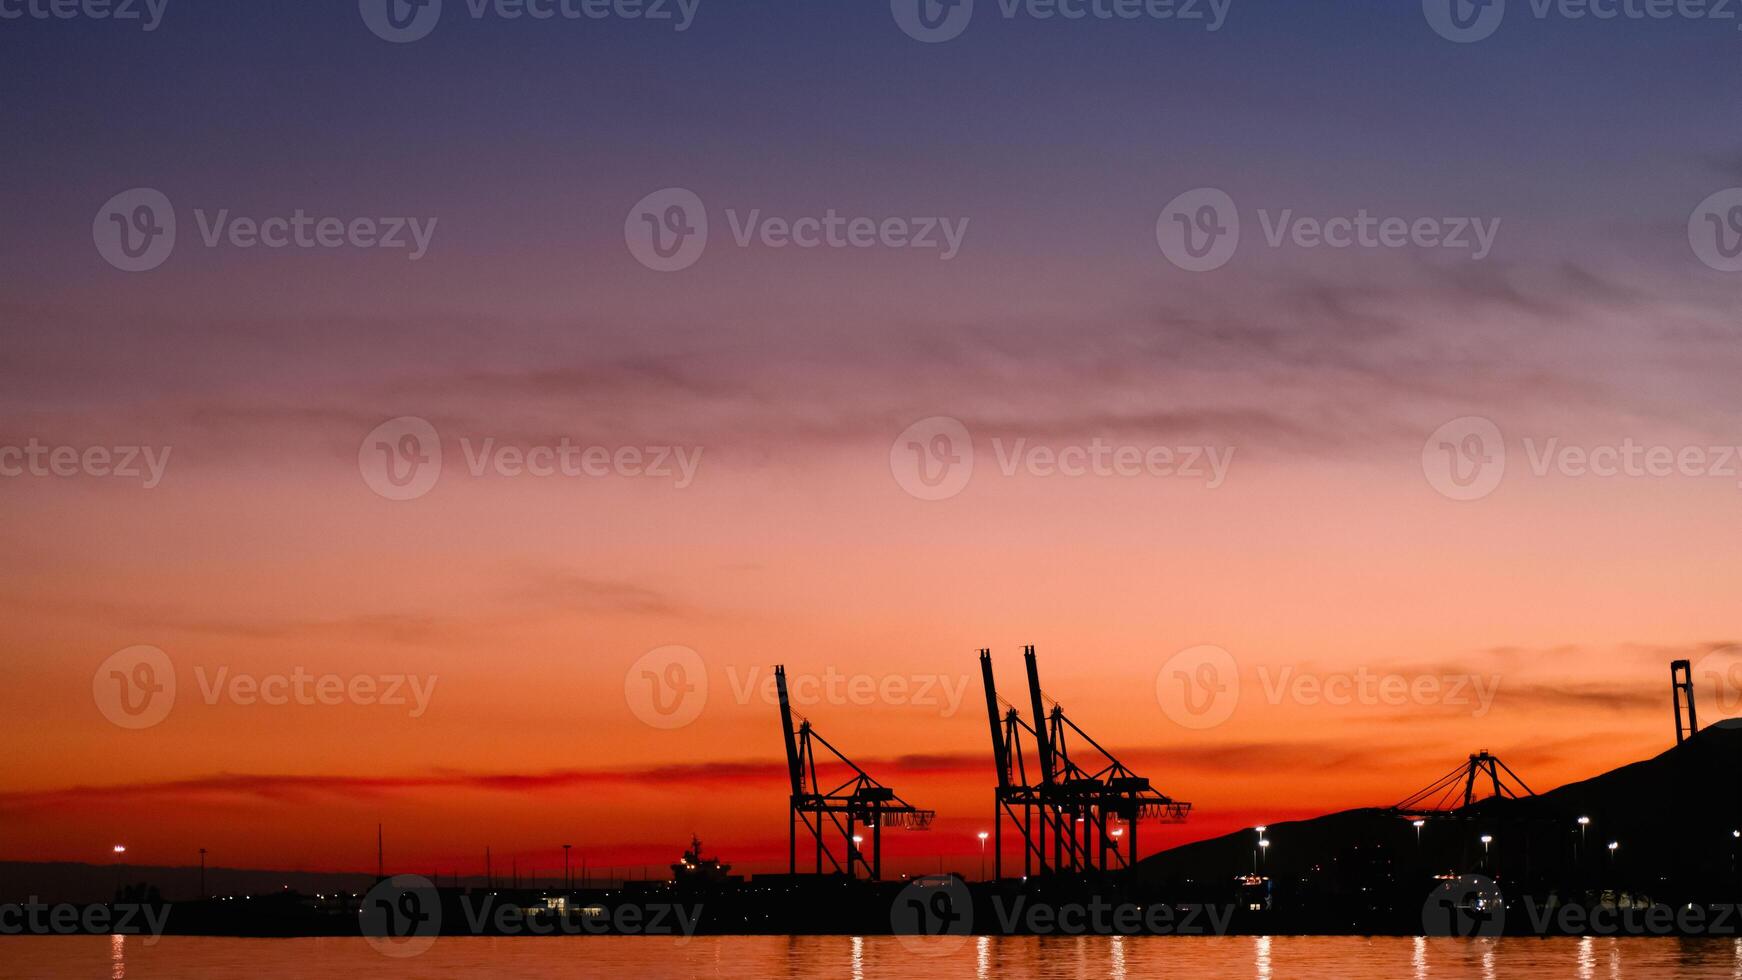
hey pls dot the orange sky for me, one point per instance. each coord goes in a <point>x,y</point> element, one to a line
<point>524,604</point>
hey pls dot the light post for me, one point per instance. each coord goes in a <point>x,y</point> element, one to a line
<point>1418,824</point>
<point>982,835</point>
<point>1263,846</point>
<point>1613,847</point>
<point>1260,829</point>
<point>853,857</point>
<point>1487,839</point>
<point>118,850</point>
<point>1584,825</point>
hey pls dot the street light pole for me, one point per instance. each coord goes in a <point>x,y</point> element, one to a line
<point>982,835</point>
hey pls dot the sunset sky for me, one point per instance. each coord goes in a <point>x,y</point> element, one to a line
<point>529,602</point>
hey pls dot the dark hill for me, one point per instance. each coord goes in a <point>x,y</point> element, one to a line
<point>1674,818</point>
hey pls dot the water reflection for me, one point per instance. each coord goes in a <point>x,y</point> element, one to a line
<point>877,957</point>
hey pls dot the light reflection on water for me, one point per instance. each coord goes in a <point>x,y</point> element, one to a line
<point>876,957</point>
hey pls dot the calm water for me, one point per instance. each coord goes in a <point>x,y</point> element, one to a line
<point>839,958</point>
